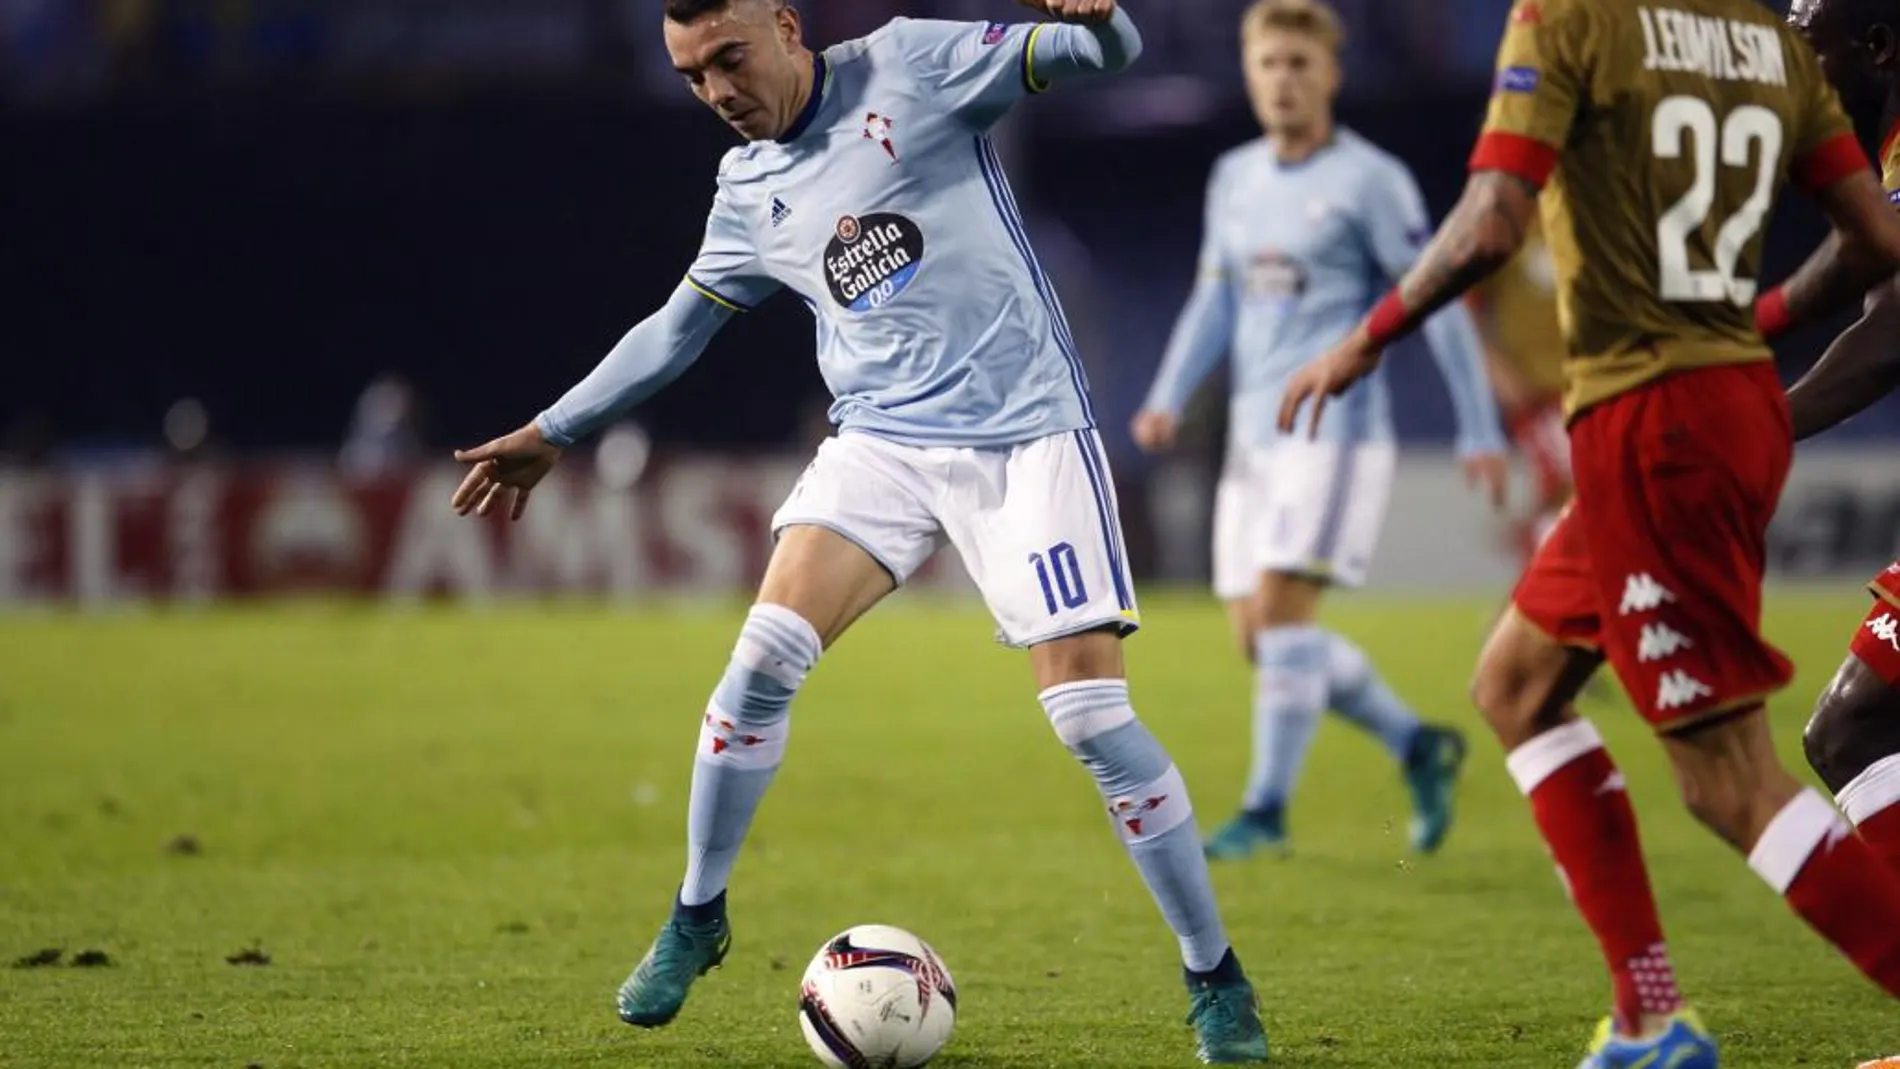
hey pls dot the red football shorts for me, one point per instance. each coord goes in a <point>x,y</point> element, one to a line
<point>1877,643</point>
<point>1658,561</point>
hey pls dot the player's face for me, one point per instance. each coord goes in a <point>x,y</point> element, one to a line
<point>1856,45</point>
<point>1291,79</point>
<point>740,61</point>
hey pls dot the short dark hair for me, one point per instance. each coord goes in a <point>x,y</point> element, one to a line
<point>685,11</point>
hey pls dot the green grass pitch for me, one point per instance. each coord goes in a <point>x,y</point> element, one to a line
<point>453,832</point>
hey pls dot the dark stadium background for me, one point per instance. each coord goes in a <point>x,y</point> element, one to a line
<point>263,205</point>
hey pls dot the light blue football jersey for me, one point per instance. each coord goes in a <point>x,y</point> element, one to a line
<point>1293,255</point>
<point>885,209</point>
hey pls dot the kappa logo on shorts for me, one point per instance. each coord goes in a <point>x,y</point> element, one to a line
<point>1678,688</point>
<point>1887,629</point>
<point>1642,593</point>
<point>1660,641</point>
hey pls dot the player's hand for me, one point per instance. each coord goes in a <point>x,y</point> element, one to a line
<point>1087,12</point>
<point>1154,431</point>
<point>1492,471</point>
<point>504,473</point>
<point>1329,376</point>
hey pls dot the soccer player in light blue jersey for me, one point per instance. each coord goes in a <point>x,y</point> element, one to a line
<point>1304,229</point>
<point>868,187</point>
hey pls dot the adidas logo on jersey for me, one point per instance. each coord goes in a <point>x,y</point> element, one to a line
<point>780,211</point>
<point>1642,593</point>
<point>1678,688</point>
<point>1886,629</point>
<point>1659,641</point>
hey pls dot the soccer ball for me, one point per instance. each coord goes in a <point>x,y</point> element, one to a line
<point>876,997</point>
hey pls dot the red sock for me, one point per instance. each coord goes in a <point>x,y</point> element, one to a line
<point>1581,807</point>
<point>1872,802</point>
<point>1836,882</point>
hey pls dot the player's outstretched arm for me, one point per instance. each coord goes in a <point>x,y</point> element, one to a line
<point>1863,250</point>
<point>1202,334</point>
<point>651,355</point>
<point>1200,338</point>
<point>505,470</point>
<point>978,71</point>
<point>1095,37</point>
<point>1860,367</point>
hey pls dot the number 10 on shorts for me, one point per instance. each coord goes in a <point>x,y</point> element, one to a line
<point>1060,574</point>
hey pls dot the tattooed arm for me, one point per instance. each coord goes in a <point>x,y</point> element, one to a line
<point>1481,235</point>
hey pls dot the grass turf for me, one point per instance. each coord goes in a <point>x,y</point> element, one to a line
<point>452,832</point>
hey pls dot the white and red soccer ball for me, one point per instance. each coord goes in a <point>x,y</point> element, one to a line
<point>876,997</point>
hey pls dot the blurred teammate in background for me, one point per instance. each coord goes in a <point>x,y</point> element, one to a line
<point>1516,312</point>
<point>1302,227</point>
<point>1665,134</point>
<point>869,188</point>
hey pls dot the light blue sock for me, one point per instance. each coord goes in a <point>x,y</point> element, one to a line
<point>1289,697</point>
<point>1149,806</point>
<point>1356,692</point>
<point>741,742</point>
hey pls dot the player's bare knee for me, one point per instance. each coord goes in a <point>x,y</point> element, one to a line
<point>1525,681</point>
<point>1244,622</point>
<point>825,578</point>
<point>1729,775</point>
<point>1856,722</point>
<point>1719,804</point>
<point>1286,599</point>
<point>1091,655</point>
<point>1515,699</point>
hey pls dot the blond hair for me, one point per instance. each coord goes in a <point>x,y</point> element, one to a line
<point>1313,18</point>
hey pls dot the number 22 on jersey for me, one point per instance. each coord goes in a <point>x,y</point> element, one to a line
<point>1749,136</point>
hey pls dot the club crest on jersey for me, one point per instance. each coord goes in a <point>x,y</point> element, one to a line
<point>878,128</point>
<point>994,33</point>
<point>872,258</point>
